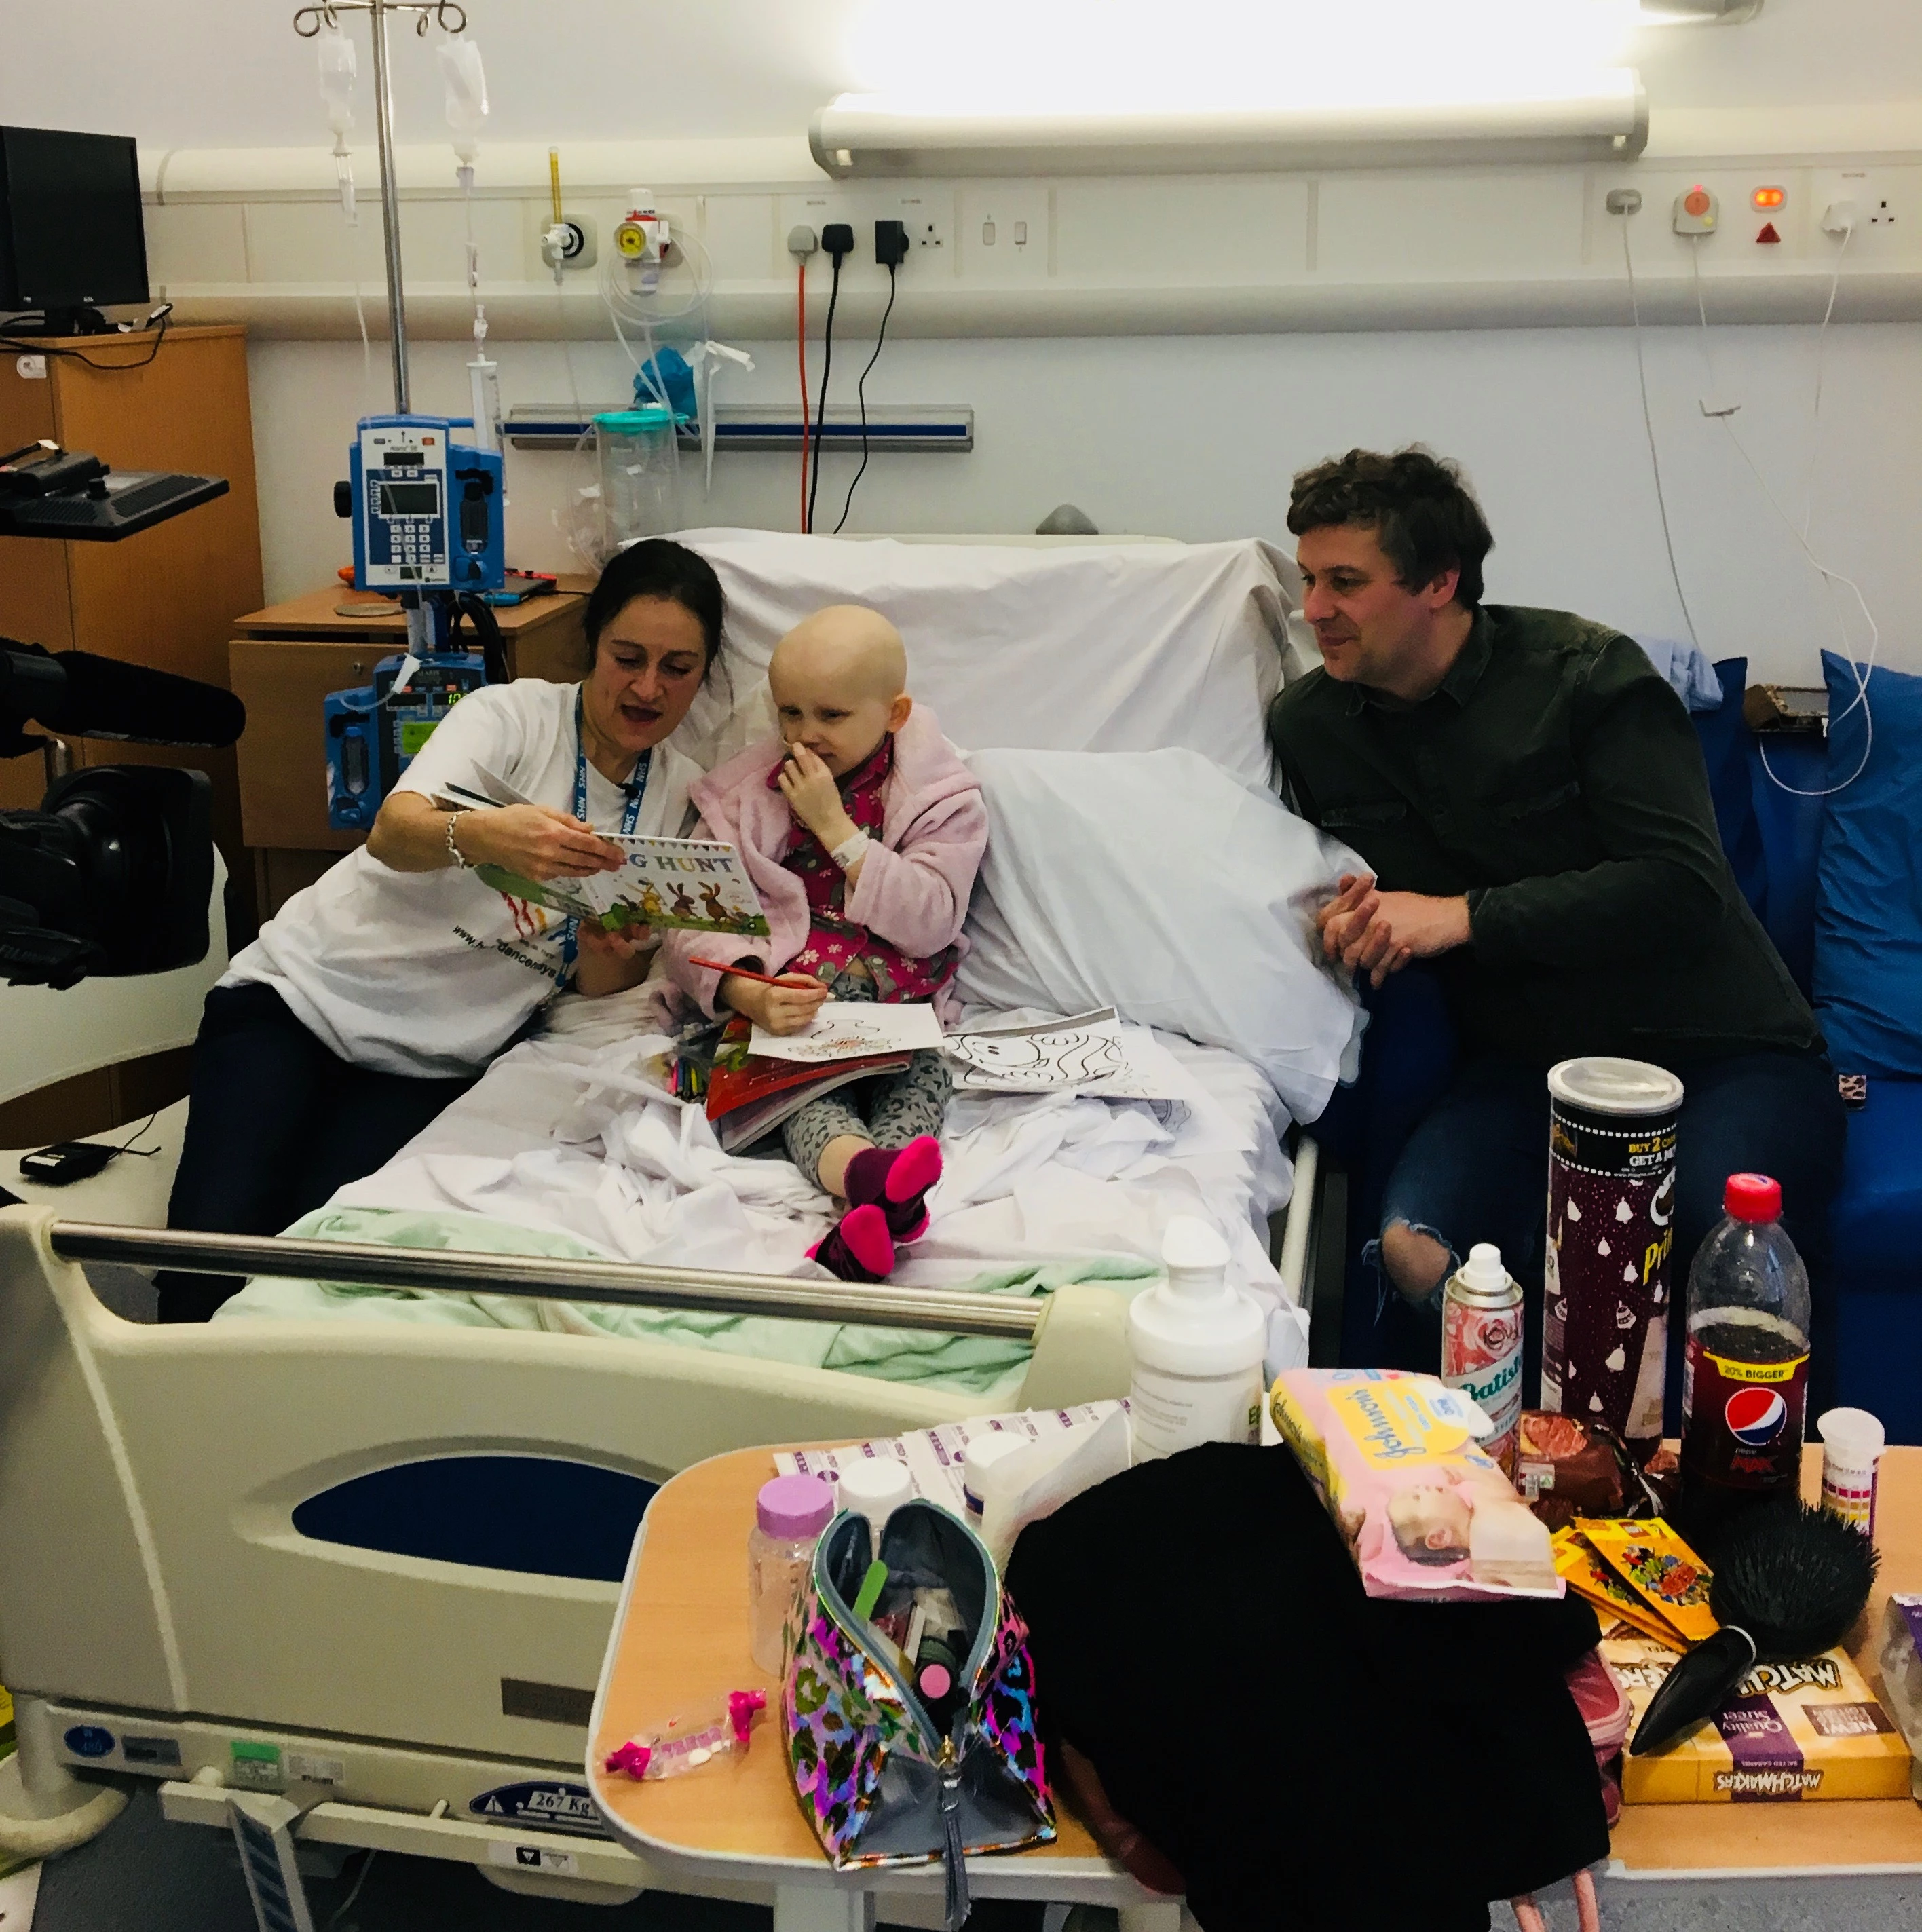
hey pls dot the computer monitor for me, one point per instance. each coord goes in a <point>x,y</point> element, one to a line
<point>71,238</point>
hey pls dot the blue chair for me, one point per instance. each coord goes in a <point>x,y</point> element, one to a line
<point>1870,1328</point>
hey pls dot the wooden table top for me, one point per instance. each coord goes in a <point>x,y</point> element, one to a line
<point>314,613</point>
<point>682,1636</point>
<point>1804,1836</point>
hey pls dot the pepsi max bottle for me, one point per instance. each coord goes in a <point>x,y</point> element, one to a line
<point>1744,1377</point>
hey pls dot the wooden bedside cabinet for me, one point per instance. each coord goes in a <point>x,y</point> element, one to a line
<point>283,662</point>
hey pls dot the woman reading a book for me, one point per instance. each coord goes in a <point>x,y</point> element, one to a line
<point>376,997</point>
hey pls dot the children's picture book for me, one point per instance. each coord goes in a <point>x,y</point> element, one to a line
<point>852,1029</point>
<point>698,884</point>
<point>749,1095</point>
<point>690,883</point>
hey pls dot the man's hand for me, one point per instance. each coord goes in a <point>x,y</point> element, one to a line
<point>787,1006</point>
<point>536,842</point>
<point>814,798</point>
<point>1400,927</point>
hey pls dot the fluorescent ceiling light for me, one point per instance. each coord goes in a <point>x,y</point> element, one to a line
<point>1698,12</point>
<point>1603,116</point>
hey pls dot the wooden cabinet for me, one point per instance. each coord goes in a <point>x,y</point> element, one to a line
<point>283,661</point>
<point>168,596</point>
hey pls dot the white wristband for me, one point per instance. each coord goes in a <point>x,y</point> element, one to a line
<point>849,852</point>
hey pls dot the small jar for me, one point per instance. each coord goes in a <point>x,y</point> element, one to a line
<point>875,1487</point>
<point>980,1454</point>
<point>789,1515</point>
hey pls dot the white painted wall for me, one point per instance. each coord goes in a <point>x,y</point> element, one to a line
<point>1196,437</point>
<point>1193,436</point>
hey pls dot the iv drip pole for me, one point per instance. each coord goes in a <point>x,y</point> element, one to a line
<point>452,18</point>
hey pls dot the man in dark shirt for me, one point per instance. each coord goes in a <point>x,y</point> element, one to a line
<point>1529,795</point>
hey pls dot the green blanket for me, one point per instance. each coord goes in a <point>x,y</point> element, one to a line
<point>971,1365</point>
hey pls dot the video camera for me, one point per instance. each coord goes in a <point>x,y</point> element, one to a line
<point>112,874</point>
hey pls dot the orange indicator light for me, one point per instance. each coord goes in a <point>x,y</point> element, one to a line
<point>1768,197</point>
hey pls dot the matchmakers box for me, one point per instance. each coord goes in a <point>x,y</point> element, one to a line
<point>1790,1732</point>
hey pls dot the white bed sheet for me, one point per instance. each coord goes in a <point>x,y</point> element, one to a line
<point>572,1132</point>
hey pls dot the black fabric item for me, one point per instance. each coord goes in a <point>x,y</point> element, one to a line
<point>1313,1759</point>
<point>276,1121</point>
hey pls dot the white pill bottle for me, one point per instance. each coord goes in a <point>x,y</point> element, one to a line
<point>1196,1346</point>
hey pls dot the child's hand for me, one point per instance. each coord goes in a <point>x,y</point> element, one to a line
<point>593,936</point>
<point>814,797</point>
<point>787,1006</point>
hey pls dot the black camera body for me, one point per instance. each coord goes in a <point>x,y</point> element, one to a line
<point>111,876</point>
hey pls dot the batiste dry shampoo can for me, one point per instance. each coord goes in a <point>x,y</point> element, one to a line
<point>1481,1345</point>
<point>1611,1199</point>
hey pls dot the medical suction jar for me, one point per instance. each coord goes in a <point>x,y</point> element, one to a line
<point>640,473</point>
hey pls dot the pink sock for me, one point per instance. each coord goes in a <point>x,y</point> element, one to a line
<point>860,1249</point>
<point>896,1181</point>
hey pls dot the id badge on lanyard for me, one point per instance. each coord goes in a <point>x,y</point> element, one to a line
<point>630,817</point>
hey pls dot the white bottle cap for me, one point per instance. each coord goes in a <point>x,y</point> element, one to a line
<point>1194,1254</point>
<point>1852,1437</point>
<point>874,1487</point>
<point>1483,1268</point>
<point>981,1455</point>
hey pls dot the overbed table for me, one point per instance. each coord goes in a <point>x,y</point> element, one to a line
<point>681,1634</point>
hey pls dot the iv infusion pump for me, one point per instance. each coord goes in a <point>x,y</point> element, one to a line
<point>428,530</point>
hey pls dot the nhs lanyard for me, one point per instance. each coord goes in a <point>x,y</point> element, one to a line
<point>630,817</point>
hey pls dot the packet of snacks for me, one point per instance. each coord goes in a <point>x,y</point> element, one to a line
<point>1427,1515</point>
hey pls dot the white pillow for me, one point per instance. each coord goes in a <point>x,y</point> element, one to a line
<point>1158,884</point>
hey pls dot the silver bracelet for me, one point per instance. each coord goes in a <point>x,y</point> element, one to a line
<point>453,850</point>
<point>849,852</point>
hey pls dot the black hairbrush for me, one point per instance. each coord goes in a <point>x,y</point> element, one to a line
<point>1789,1582</point>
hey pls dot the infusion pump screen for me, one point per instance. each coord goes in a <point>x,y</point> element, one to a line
<point>409,499</point>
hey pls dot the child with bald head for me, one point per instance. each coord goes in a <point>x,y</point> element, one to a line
<point>862,831</point>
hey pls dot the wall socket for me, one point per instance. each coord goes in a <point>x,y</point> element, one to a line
<point>1875,196</point>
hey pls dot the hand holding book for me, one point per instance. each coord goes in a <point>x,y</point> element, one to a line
<point>534,841</point>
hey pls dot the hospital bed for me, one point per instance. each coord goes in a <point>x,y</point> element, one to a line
<point>372,1565</point>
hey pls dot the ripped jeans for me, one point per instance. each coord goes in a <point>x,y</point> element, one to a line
<point>1475,1168</point>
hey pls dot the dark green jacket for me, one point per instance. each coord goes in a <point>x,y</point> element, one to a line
<point>1556,780</point>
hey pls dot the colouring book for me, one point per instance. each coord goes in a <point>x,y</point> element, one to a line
<point>696,884</point>
<point>848,1029</point>
<point>1097,1053</point>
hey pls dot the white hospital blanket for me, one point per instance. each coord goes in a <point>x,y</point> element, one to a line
<point>571,1133</point>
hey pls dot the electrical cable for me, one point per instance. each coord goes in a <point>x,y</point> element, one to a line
<point>127,1147</point>
<point>26,345</point>
<point>346,1905</point>
<point>1860,672</point>
<point>1648,426</point>
<point>827,370</point>
<point>1822,343</point>
<point>860,389</point>
<point>800,337</point>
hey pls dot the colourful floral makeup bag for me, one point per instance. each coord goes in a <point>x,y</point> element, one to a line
<point>881,1783</point>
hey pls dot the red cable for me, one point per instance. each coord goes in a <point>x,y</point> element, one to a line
<point>800,340</point>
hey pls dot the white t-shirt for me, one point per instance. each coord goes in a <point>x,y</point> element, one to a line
<point>433,973</point>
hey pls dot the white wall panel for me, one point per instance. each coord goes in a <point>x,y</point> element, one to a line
<point>1407,227</point>
<point>1181,232</point>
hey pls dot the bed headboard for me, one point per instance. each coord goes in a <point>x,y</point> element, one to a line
<point>1082,644</point>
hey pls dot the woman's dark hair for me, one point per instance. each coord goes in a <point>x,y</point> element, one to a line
<point>1420,511</point>
<point>658,568</point>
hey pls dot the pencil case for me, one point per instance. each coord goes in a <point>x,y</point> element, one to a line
<point>881,1782</point>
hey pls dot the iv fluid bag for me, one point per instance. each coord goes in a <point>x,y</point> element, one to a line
<point>467,92</point>
<point>338,67</point>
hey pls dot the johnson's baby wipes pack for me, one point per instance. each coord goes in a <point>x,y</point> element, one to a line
<point>1426,1514</point>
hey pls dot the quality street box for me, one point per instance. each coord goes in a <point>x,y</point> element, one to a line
<point>1789,1732</point>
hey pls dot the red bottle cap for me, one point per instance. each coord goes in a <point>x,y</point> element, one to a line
<point>1752,1197</point>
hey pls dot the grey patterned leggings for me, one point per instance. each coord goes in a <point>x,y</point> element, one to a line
<point>890,1109</point>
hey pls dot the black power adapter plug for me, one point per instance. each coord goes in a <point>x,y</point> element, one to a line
<point>837,239</point>
<point>890,243</point>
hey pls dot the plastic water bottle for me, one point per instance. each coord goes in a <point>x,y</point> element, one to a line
<point>790,1513</point>
<point>1745,1378</point>
<point>1197,1345</point>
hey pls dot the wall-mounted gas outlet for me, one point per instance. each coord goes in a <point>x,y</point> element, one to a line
<point>571,245</point>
